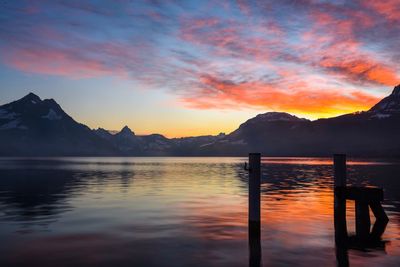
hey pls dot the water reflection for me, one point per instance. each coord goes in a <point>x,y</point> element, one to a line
<point>30,195</point>
<point>180,212</point>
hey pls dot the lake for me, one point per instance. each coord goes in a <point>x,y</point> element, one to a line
<point>182,212</point>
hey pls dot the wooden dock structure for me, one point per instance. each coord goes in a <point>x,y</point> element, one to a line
<point>365,198</point>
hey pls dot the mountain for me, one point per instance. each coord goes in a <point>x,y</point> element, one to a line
<point>34,127</point>
<point>372,133</point>
<point>130,144</point>
<point>126,141</point>
<point>274,117</point>
<point>387,107</point>
<point>103,133</point>
<point>272,133</point>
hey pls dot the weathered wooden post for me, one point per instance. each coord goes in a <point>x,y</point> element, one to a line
<point>381,219</point>
<point>366,198</point>
<point>340,180</point>
<point>340,170</point>
<point>363,222</point>
<point>254,189</point>
<point>254,209</point>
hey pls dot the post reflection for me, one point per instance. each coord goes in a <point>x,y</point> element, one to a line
<point>355,242</point>
<point>255,245</point>
<point>341,237</point>
<point>362,242</point>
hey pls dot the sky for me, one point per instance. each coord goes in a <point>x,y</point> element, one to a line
<point>184,68</point>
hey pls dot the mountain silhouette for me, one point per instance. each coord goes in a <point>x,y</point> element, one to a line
<point>389,106</point>
<point>371,133</point>
<point>34,127</point>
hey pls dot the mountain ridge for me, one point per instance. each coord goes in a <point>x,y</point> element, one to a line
<point>31,126</point>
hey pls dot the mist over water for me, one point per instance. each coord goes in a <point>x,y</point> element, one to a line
<point>181,212</point>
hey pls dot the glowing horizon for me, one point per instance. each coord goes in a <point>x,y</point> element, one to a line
<point>186,68</point>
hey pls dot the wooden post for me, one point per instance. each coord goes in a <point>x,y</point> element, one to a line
<point>255,259</point>
<point>381,220</point>
<point>254,187</point>
<point>340,172</point>
<point>254,209</point>
<point>342,256</point>
<point>378,211</point>
<point>340,180</point>
<point>363,222</point>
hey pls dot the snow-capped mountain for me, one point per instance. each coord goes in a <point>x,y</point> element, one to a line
<point>34,127</point>
<point>371,133</point>
<point>19,114</point>
<point>154,144</point>
<point>387,107</point>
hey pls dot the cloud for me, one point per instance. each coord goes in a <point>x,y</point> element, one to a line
<point>297,97</point>
<point>338,50</point>
<point>309,57</point>
<point>389,8</point>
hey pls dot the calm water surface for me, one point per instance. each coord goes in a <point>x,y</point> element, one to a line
<point>181,212</point>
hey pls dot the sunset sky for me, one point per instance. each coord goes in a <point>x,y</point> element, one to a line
<point>183,68</point>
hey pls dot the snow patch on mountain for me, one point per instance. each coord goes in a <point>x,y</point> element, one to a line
<point>239,142</point>
<point>208,144</point>
<point>14,124</point>
<point>390,105</point>
<point>381,116</point>
<point>4,114</point>
<point>52,115</point>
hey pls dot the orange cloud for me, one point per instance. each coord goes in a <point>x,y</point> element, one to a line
<point>297,97</point>
<point>362,69</point>
<point>337,50</point>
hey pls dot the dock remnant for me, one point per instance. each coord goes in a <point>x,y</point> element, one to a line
<point>254,230</point>
<point>254,187</point>
<point>364,197</point>
<point>340,180</point>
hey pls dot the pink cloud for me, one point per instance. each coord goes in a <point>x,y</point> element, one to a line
<point>388,8</point>
<point>300,56</point>
<point>56,63</point>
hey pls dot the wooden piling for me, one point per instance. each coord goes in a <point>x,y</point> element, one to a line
<point>340,172</point>
<point>340,180</point>
<point>378,211</point>
<point>254,209</point>
<point>255,259</point>
<point>363,222</point>
<point>342,256</point>
<point>381,220</point>
<point>254,187</point>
